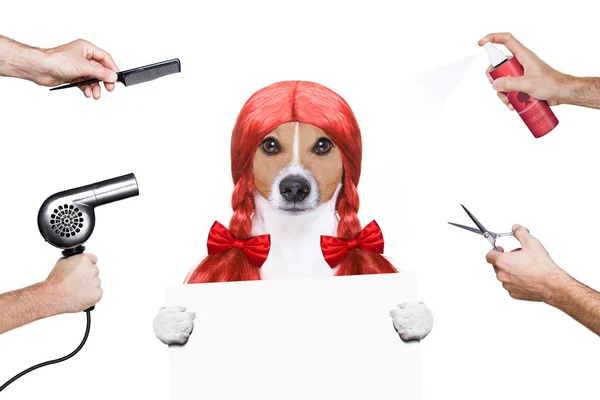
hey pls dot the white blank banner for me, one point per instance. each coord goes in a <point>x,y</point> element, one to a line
<point>318,338</point>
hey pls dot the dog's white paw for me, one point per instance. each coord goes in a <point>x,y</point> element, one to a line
<point>412,321</point>
<point>174,325</point>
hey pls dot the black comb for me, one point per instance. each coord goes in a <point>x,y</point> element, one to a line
<point>136,75</point>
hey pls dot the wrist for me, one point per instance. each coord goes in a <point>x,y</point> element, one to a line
<point>51,299</point>
<point>560,289</point>
<point>566,88</point>
<point>36,69</point>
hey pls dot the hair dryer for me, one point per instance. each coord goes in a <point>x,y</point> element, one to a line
<point>66,220</point>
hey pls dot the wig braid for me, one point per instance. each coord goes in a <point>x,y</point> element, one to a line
<point>242,203</point>
<point>357,261</point>
<point>232,265</point>
<point>347,209</point>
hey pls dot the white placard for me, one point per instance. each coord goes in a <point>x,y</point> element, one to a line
<point>317,338</point>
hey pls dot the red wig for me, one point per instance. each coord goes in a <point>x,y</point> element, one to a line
<point>268,108</point>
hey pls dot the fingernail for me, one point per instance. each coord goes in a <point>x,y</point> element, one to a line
<point>495,85</point>
<point>113,76</point>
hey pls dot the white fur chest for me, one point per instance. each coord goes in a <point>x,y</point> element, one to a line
<point>295,240</point>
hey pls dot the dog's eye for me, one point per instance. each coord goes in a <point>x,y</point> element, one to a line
<point>270,146</point>
<point>323,147</point>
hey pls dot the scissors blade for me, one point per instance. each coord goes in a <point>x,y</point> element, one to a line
<point>466,227</point>
<point>481,227</point>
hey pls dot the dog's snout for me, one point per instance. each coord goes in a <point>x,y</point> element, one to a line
<point>294,188</point>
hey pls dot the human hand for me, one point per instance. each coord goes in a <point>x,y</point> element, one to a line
<point>76,61</point>
<point>74,284</point>
<point>539,79</point>
<point>527,273</point>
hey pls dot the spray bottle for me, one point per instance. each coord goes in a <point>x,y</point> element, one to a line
<point>536,114</point>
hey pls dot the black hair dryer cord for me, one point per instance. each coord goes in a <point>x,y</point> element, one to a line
<point>78,250</point>
<point>56,361</point>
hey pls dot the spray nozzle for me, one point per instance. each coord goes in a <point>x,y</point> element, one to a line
<point>495,56</point>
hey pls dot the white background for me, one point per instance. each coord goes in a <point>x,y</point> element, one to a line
<point>174,134</point>
<point>298,347</point>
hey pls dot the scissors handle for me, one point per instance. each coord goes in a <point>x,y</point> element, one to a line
<point>493,236</point>
<point>504,234</point>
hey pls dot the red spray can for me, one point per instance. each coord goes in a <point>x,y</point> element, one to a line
<point>536,114</point>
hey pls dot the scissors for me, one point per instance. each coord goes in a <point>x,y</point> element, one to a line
<point>489,235</point>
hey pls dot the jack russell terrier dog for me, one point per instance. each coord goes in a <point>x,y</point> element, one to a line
<point>296,156</point>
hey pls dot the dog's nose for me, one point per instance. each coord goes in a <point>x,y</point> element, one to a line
<point>294,188</point>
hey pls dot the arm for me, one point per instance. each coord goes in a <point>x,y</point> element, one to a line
<point>25,305</point>
<point>71,62</point>
<point>530,274</point>
<point>20,61</point>
<point>579,301</point>
<point>584,92</point>
<point>541,80</point>
<point>72,286</point>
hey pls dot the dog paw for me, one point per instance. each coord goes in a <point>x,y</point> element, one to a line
<point>174,325</point>
<point>412,321</point>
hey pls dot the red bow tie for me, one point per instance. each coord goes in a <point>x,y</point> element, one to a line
<point>369,239</point>
<point>255,248</point>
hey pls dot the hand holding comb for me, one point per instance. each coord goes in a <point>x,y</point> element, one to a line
<point>136,75</point>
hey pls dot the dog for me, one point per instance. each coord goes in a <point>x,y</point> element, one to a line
<point>296,156</point>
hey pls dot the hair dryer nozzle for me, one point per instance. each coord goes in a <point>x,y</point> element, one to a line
<point>116,189</point>
<point>66,219</point>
